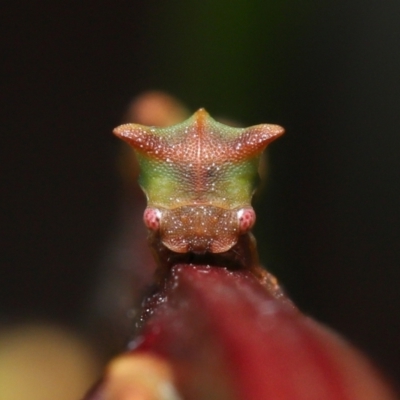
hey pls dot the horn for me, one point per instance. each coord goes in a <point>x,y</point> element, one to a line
<point>140,137</point>
<point>255,139</point>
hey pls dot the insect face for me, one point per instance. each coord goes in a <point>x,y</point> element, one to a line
<point>199,177</point>
<point>199,228</point>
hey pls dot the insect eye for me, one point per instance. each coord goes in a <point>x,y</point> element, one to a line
<point>247,218</point>
<point>151,218</point>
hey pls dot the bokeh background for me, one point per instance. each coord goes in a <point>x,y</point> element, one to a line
<point>329,224</point>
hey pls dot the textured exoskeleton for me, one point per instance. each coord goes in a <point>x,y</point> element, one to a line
<point>199,177</point>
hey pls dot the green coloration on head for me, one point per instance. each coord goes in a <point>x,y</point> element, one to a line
<point>198,162</point>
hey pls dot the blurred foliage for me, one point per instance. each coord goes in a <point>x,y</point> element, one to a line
<point>328,225</point>
<point>224,55</point>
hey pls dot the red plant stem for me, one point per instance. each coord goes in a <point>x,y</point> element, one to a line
<point>225,336</point>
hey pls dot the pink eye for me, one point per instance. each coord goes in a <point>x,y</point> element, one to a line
<point>151,218</point>
<point>247,218</point>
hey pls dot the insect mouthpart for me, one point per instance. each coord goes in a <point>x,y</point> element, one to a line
<point>199,229</point>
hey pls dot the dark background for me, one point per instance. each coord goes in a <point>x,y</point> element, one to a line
<point>329,72</point>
